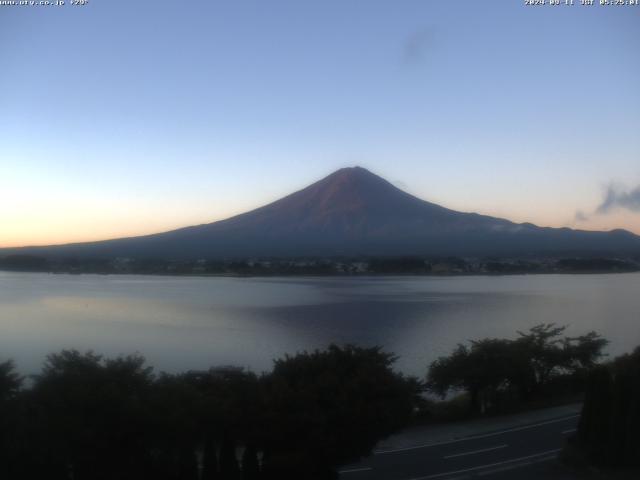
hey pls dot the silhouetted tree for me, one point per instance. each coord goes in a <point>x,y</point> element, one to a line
<point>229,469</point>
<point>550,355</point>
<point>594,424</point>
<point>228,410</point>
<point>10,435</point>
<point>176,435</point>
<point>523,366</point>
<point>542,345</point>
<point>10,381</point>
<point>582,353</point>
<point>91,416</point>
<point>328,408</point>
<point>481,370</point>
<point>610,419</point>
<point>209,459</point>
<point>250,465</point>
<point>88,417</point>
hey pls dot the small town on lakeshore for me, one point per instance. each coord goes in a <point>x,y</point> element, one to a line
<point>409,265</point>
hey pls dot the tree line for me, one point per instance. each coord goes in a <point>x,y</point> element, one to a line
<point>85,416</point>
<point>89,417</point>
<point>498,373</point>
<point>379,265</point>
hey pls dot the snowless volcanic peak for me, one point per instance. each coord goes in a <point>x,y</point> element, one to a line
<point>350,189</point>
<point>349,195</point>
<point>353,212</point>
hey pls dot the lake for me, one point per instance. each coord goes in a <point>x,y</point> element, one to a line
<point>182,323</point>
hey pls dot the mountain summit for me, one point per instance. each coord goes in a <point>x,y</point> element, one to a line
<point>353,212</point>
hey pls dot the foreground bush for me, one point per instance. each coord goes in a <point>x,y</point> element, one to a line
<point>89,417</point>
<point>331,407</point>
<point>609,429</point>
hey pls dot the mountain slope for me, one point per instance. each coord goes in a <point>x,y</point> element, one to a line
<point>353,212</point>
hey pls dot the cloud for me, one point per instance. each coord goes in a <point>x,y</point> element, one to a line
<point>400,184</point>
<point>416,46</point>
<point>617,197</point>
<point>581,216</point>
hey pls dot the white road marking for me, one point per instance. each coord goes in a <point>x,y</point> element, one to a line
<point>354,470</point>
<point>476,451</point>
<point>474,437</point>
<point>444,474</point>
<point>571,430</point>
<point>506,468</point>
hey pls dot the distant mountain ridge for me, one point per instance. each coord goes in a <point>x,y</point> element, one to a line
<point>352,212</point>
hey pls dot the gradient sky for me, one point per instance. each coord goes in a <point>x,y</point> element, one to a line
<point>122,118</point>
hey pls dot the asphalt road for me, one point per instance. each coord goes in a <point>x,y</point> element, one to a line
<point>485,455</point>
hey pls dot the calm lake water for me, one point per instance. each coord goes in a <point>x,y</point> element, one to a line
<point>182,323</point>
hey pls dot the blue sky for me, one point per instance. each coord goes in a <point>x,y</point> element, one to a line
<point>119,118</point>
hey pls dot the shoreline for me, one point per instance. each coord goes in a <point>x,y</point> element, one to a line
<point>329,275</point>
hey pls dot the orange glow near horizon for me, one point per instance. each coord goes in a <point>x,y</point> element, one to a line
<point>91,223</point>
<point>187,116</point>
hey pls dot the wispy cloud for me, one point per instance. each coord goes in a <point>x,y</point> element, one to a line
<point>580,216</point>
<point>617,197</point>
<point>400,184</point>
<point>416,46</point>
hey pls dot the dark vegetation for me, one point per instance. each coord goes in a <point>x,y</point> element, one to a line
<point>25,263</point>
<point>538,368</point>
<point>399,265</point>
<point>405,265</point>
<point>88,417</point>
<point>609,430</point>
<point>588,265</point>
<point>497,375</point>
